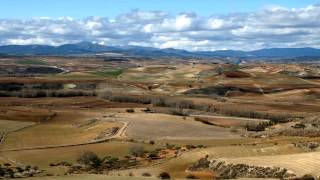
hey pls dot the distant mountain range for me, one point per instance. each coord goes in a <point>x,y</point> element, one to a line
<point>87,48</point>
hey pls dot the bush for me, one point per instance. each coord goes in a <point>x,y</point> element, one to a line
<point>169,146</point>
<point>306,177</point>
<point>178,112</point>
<point>299,126</point>
<point>158,101</point>
<point>52,164</point>
<point>130,110</point>
<point>179,106</point>
<point>147,110</point>
<point>164,175</point>
<point>191,176</point>
<point>137,151</point>
<point>256,126</point>
<point>129,99</point>
<point>89,158</point>
<point>274,118</point>
<point>153,154</point>
<point>105,94</point>
<point>188,146</point>
<point>146,174</point>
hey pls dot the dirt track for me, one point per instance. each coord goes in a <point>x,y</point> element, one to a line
<point>117,135</point>
<point>229,117</point>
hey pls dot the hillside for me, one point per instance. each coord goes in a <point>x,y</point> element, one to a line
<point>91,49</point>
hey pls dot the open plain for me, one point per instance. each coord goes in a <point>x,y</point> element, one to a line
<point>144,118</point>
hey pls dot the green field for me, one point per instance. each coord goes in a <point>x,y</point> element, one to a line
<point>108,73</point>
<point>31,62</point>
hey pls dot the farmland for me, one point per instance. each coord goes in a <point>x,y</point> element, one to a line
<point>149,117</point>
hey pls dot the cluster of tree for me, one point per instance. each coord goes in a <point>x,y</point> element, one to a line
<point>46,93</point>
<point>91,162</point>
<point>7,171</point>
<point>178,106</point>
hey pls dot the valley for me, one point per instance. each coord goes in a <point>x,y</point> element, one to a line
<point>134,118</point>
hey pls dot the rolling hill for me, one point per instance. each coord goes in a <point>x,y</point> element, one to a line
<point>91,48</point>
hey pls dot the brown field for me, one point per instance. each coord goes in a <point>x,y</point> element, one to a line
<point>160,126</point>
<point>301,164</point>
<point>101,106</point>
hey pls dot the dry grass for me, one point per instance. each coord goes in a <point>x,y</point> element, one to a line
<point>60,130</point>
<point>161,126</point>
<point>300,164</point>
<point>42,157</point>
<point>264,93</point>
<point>90,177</point>
<point>8,126</point>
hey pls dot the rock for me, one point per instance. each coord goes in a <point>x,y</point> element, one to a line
<point>230,171</point>
<point>202,164</point>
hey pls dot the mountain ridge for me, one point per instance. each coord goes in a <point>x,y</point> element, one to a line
<point>92,48</point>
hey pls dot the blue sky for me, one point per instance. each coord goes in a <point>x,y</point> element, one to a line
<point>111,8</point>
<point>195,25</point>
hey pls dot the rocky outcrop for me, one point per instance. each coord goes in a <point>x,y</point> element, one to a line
<point>201,164</point>
<point>7,172</point>
<point>312,146</point>
<point>224,170</point>
<point>228,170</point>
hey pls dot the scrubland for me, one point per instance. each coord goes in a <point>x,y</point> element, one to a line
<point>149,119</point>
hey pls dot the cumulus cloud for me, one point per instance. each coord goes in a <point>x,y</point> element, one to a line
<point>269,27</point>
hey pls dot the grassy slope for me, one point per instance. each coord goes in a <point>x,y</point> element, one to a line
<point>31,62</point>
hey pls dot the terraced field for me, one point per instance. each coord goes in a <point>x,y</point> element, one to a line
<point>160,126</point>
<point>162,116</point>
<point>300,164</point>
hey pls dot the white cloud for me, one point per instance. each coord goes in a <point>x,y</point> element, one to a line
<point>27,41</point>
<point>183,22</point>
<point>269,27</point>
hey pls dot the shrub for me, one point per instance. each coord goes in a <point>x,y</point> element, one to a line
<point>256,126</point>
<point>146,174</point>
<point>169,146</point>
<point>306,177</point>
<point>89,158</point>
<point>164,175</point>
<point>178,112</point>
<point>191,176</point>
<point>130,110</point>
<point>188,146</point>
<point>299,126</point>
<point>180,105</point>
<point>153,154</point>
<point>137,151</point>
<point>2,171</point>
<point>129,99</point>
<point>158,101</point>
<point>105,94</point>
<point>274,118</point>
<point>19,169</point>
<point>147,110</point>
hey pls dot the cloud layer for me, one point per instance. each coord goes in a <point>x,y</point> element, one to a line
<point>269,27</point>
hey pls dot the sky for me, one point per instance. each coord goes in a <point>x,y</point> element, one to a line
<point>195,25</point>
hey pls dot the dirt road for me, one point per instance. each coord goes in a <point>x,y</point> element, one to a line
<point>120,133</point>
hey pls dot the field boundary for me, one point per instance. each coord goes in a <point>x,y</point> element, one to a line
<point>120,133</point>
